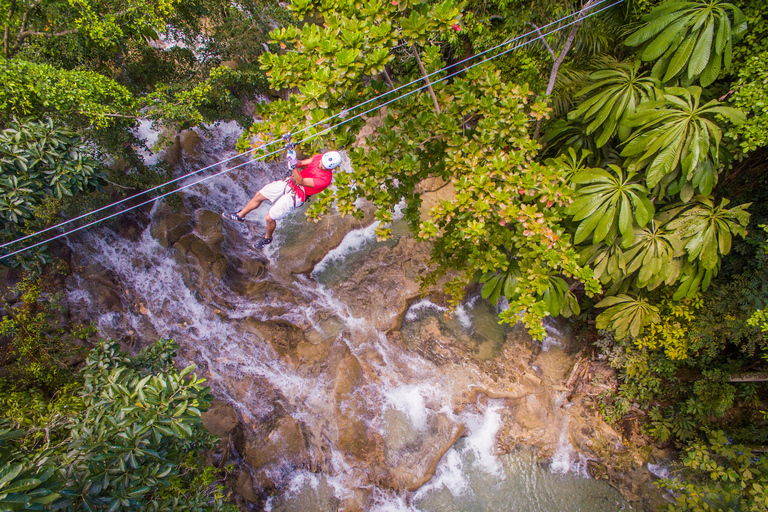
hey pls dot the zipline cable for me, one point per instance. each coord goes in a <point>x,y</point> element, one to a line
<point>179,178</point>
<point>300,142</point>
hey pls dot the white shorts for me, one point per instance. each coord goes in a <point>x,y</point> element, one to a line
<point>283,199</point>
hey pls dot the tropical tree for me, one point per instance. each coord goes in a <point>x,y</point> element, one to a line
<point>751,95</point>
<point>331,64</point>
<point>727,476</point>
<point>614,95</point>
<point>608,203</point>
<point>689,40</point>
<point>470,135</point>
<point>130,441</point>
<point>707,230</point>
<point>677,143</point>
<point>101,23</point>
<point>24,484</point>
<point>40,162</point>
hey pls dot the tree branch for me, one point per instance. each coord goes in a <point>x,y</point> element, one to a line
<point>543,40</point>
<point>388,79</point>
<point>28,33</point>
<point>749,377</point>
<point>426,78</point>
<point>561,55</point>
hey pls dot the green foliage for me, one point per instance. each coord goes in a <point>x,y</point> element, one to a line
<point>608,203</point>
<point>40,161</point>
<point>24,484</point>
<point>135,429</point>
<point>182,105</point>
<point>626,315</point>
<point>689,40</point>
<point>81,97</point>
<point>671,333</point>
<point>133,442</point>
<point>613,96</point>
<point>719,475</point>
<point>506,210</point>
<point>103,24</point>
<point>708,230</point>
<point>752,96</point>
<point>39,348</point>
<point>678,139</point>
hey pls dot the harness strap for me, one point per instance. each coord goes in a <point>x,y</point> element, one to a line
<point>293,191</point>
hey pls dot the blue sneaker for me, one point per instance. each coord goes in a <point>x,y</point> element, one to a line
<point>262,242</point>
<point>232,216</point>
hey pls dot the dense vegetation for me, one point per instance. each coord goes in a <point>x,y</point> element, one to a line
<point>609,169</point>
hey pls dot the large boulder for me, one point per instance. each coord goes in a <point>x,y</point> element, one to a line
<point>168,226</point>
<point>304,243</point>
<point>382,286</point>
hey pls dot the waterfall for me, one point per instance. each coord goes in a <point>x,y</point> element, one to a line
<point>338,404</point>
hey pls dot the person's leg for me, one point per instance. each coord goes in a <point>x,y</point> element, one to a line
<point>254,203</point>
<point>271,192</point>
<point>280,209</point>
<point>271,225</point>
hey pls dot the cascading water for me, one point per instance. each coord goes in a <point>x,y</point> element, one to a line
<point>340,414</point>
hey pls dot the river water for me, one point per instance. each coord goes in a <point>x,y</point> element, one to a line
<point>400,405</point>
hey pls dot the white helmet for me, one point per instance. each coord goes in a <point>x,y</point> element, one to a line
<point>331,159</point>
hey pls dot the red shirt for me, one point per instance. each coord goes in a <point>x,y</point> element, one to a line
<point>321,178</point>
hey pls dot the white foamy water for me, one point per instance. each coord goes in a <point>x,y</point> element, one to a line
<point>353,241</point>
<point>422,306</point>
<point>401,397</point>
<point>150,136</point>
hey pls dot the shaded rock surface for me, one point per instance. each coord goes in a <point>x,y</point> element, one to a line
<point>309,371</point>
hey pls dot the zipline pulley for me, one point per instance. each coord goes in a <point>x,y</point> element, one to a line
<point>291,152</point>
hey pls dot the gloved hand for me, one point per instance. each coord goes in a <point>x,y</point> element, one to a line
<point>292,160</point>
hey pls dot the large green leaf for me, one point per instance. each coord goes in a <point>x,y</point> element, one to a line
<point>676,135</point>
<point>690,37</point>
<point>608,102</point>
<point>707,230</point>
<point>608,198</point>
<point>626,315</point>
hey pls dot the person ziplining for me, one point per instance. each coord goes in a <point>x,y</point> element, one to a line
<point>285,195</point>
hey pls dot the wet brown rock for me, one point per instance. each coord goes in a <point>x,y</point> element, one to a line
<point>168,226</point>
<point>301,249</point>
<point>131,227</point>
<point>355,437</point>
<point>220,419</point>
<point>385,283</point>
<point>244,487</point>
<point>291,344</point>
<point>200,252</point>
<point>104,286</point>
<point>285,444</point>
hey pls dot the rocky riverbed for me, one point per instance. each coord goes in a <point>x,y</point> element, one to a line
<point>306,372</point>
<point>334,371</point>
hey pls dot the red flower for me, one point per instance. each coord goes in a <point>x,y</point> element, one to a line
<point>455,26</point>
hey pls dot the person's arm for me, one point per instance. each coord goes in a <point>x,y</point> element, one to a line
<point>307,182</point>
<point>305,162</point>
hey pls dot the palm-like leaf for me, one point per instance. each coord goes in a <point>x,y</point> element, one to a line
<point>614,95</point>
<point>626,315</point>
<point>608,202</point>
<point>652,258</point>
<point>607,261</point>
<point>678,134</point>
<point>694,278</point>
<point>655,256</point>
<point>561,135</point>
<point>570,163</point>
<point>496,284</point>
<point>692,39</point>
<point>707,230</point>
